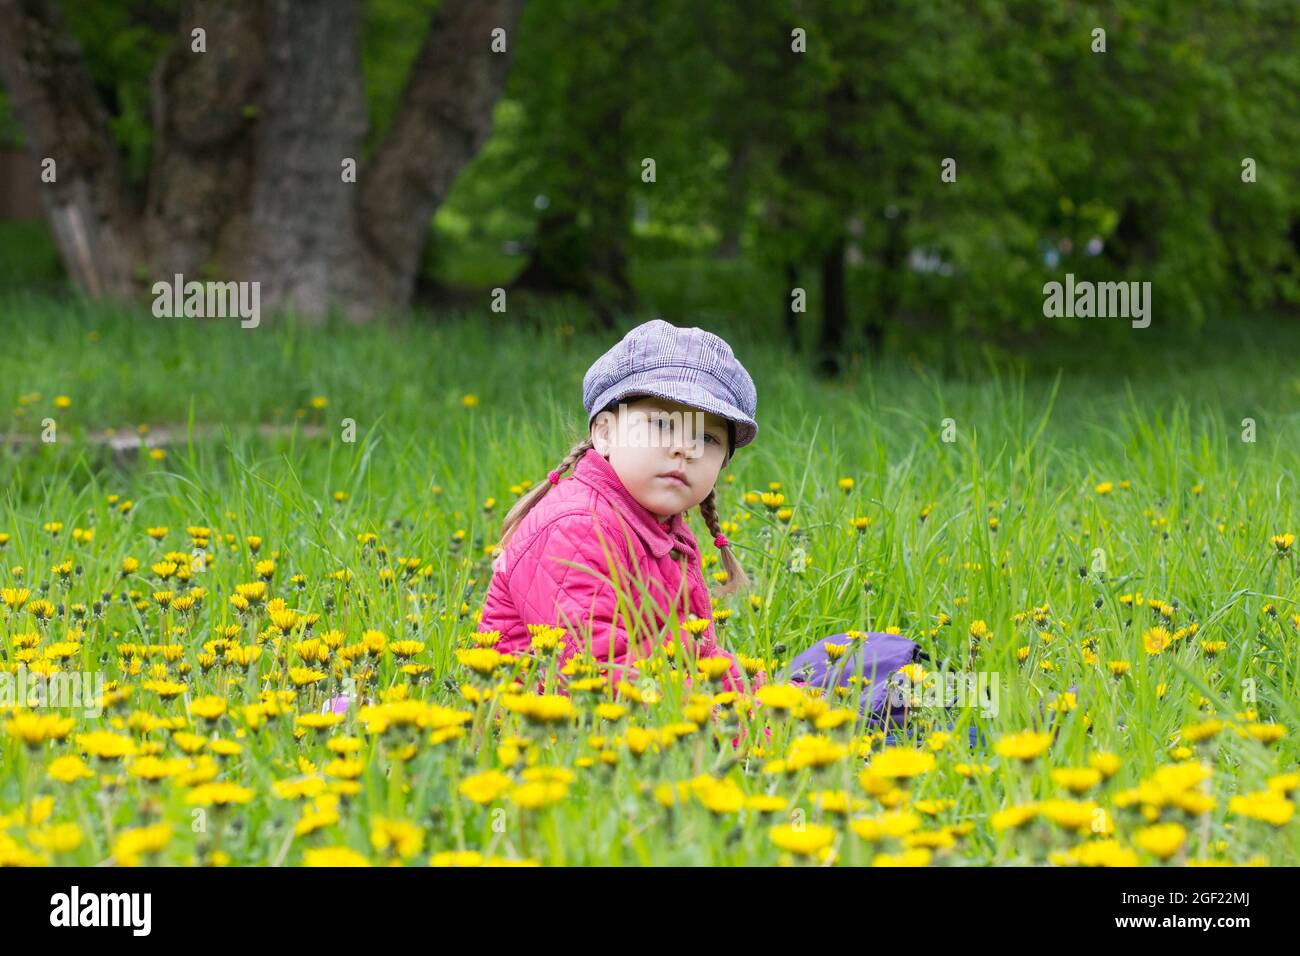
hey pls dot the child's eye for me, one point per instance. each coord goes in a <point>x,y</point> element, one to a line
<point>712,438</point>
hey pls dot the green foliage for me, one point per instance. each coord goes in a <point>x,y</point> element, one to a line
<point>391,34</point>
<point>1053,143</point>
<point>28,258</point>
<point>122,46</point>
<point>11,132</point>
<point>491,204</point>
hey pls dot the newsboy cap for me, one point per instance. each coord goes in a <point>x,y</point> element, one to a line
<point>687,365</point>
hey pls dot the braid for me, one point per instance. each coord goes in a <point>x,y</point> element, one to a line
<point>736,577</point>
<point>525,504</point>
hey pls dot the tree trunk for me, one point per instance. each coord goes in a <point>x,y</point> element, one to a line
<point>892,259</point>
<point>830,345</point>
<point>581,243</point>
<point>733,213</point>
<point>1131,242</point>
<point>791,317</point>
<point>89,207</point>
<point>196,217</point>
<point>306,250</point>
<point>551,268</point>
<point>443,119</point>
<point>250,136</point>
<point>611,216</point>
<point>841,102</point>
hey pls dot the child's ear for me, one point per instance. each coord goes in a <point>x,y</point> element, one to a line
<point>601,428</point>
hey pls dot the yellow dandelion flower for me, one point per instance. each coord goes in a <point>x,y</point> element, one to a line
<point>1009,818</point>
<point>1162,840</point>
<point>132,846</point>
<point>915,857</point>
<point>1107,853</point>
<point>900,762</point>
<point>484,788</point>
<point>333,856</point>
<point>68,769</point>
<point>106,745</point>
<point>400,837</point>
<point>35,729</point>
<point>536,794</point>
<point>1269,806</point>
<point>1027,745</point>
<point>209,708</point>
<point>780,696</point>
<point>1076,779</point>
<point>219,794</point>
<point>1156,639</point>
<point>806,840</point>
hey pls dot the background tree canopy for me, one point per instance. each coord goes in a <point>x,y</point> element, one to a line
<point>794,146</point>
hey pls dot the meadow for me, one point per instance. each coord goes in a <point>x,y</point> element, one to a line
<point>1122,528</point>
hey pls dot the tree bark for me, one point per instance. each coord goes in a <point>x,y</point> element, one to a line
<point>246,180</point>
<point>610,212</point>
<point>443,119</point>
<point>791,317</point>
<point>892,259</point>
<point>834,310</point>
<point>1131,242</point>
<point>306,249</point>
<point>90,209</point>
<point>737,194</point>
<point>557,248</point>
<point>206,109</point>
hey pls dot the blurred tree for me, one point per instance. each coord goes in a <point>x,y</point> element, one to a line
<point>577,81</point>
<point>1135,151</point>
<point>810,139</point>
<point>248,136</point>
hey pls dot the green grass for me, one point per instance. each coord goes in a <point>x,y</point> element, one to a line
<point>29,258</point>
<point>1033,439</point>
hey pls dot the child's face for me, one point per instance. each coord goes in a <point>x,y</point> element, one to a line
<point>647,439</point>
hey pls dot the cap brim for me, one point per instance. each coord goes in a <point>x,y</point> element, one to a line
<point>695,395</point>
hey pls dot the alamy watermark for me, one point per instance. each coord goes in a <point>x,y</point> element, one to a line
<point>947,689</point>
<point>211,300</point>
<point>638,428</point>
<point>1085,300</point>
<point>63,690</point>
<point>75,908</point>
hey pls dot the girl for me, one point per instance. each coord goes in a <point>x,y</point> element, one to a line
<point>606,553</point>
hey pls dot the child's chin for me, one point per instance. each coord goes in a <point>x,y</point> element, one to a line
<point>663,510</point>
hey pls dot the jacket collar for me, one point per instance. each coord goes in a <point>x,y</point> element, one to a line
<point>592,469</point>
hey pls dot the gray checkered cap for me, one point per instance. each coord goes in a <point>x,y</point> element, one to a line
<point>687,365</point>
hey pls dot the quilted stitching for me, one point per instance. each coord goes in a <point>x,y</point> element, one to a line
<point>541,578</point>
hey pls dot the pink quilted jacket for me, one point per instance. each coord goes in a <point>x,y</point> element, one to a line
<point>585,516</point>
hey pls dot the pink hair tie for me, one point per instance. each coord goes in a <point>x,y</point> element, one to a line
<point>554,477</point>
<point>721,541</point>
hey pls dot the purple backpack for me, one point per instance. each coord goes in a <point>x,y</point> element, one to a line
<point>875,659</point>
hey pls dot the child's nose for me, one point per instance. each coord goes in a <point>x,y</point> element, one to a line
<point>683,443</point>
